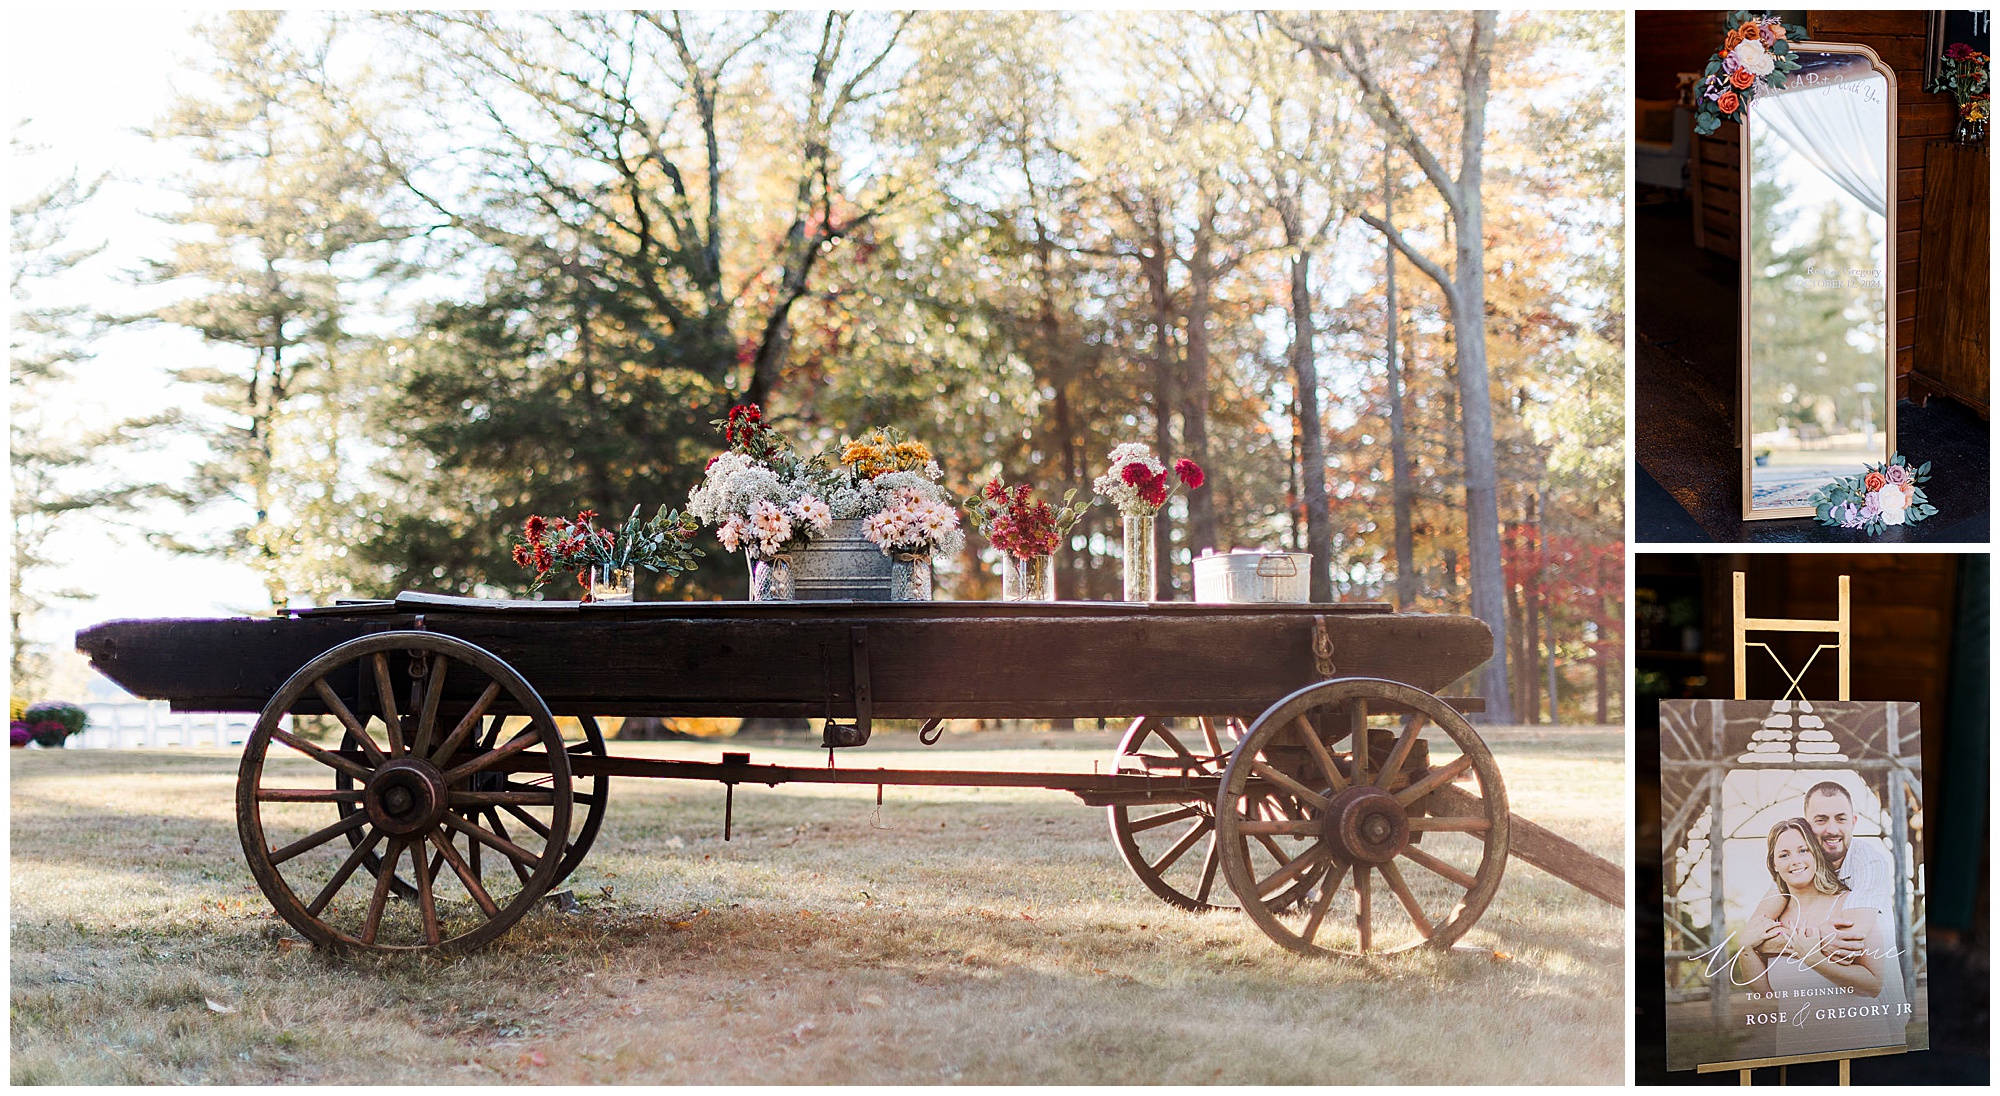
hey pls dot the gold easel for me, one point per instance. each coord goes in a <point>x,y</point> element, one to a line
<point>1839,627</point>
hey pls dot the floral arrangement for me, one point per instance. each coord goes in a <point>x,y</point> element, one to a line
<point>48,722</point>
<point>1883,495</point>
<point>760,496</point>
<point>1758,53</point>
<point>1964,73</point>
<point>1137,483</point>
<point>549,545</point>
<point>914,524</point>
<point>883,450</point>
<point>1019,524</point>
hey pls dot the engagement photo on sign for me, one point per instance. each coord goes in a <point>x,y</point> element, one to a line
<point>1804,818</point>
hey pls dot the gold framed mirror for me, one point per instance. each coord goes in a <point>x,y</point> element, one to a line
<point>1818,346</point>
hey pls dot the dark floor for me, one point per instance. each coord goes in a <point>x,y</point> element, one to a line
<point>1684,415</point>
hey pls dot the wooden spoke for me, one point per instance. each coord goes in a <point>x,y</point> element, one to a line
<point>1283,827</point>
<point>467,724</point>
<point>1165,818</point>
<point>353,861</point>
<point>386,689</point>
<point>1208,735</point>
<point>1357,727</point>
<point>1402,751</point>
<point>500,828</point>
<point>1290,785</point>
<point>1419,856</point>
<point>1183,845</point>
<point>1291,870</point>
<point>467,874</point>
<point>319,837</point>
<point>324,757</point>
<point>1209,862</point>
<point>1174,744</point>
<point>1393,876</point>
<point>1468,824</point>
<point>347,719</point>
<point>1438,778</point>
<point>516,853</point>
<point>426,902</point>
<point>309,795</point>
<point>1302,729</point>
<point>427,715</point>
<point>1328,887</point>
<point>527,820</point>
<point>490,758</point>
<point>381,896</point>
<point>495,799</point>
<point>1363,911</point>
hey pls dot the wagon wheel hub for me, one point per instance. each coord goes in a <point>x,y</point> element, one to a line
<point>1366,825</point>
<point>406,796</point>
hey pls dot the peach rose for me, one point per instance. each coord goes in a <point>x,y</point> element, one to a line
<point>1874,481</point>
<point>1777,30</point>
<point>1742,78</point>
<point>1728,103</point>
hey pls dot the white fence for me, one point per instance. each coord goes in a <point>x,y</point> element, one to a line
<point>151,724</point>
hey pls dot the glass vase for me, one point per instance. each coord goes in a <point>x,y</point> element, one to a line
<point>1969,132</point>
<point>1141,561</point>
<point>771,579</point>
<point>1028,579</point>
<point>609,584</point>
<point>909,578</point>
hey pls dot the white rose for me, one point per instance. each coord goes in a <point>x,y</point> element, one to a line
<point>1752,55</point>
<point>1893,503</point>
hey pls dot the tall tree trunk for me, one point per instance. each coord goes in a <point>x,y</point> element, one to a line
<point>1404,490</point>
<point>1202,529</point>
<point>1468,320</point>
<point>1165,375</point>
<point>1312,445</point>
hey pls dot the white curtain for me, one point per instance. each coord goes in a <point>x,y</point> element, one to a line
<point>1840,130</point>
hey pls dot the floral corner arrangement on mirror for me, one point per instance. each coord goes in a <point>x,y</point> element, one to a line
<point>1027,531</point>
<point>1137,485</point>
<point>605,561</point>
<point>1884,495</point>
<point>1963,74</point>
<point>1757,53</point>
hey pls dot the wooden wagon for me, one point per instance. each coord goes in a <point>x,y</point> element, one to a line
<point>408,788</point>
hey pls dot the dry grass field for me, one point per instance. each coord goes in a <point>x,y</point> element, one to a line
<point>963,936</point>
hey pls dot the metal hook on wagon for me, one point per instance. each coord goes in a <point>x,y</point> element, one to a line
<point>933,729</point>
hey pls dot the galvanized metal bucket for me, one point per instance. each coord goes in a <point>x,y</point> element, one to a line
<point>842,564</point>
<point>1246,577</point>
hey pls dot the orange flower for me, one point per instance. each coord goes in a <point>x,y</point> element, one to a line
<point>1735,39</point>
<point>1874,481</point>
<point>1728,103</point>
<point>1741,79</point>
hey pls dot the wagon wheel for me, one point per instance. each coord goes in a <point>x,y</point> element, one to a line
<point>427,781</point>
<point>1170,845</point>
<point>1366,825</point>
<point>588,791</point>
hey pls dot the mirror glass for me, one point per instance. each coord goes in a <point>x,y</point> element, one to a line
<point>1820,391</point>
